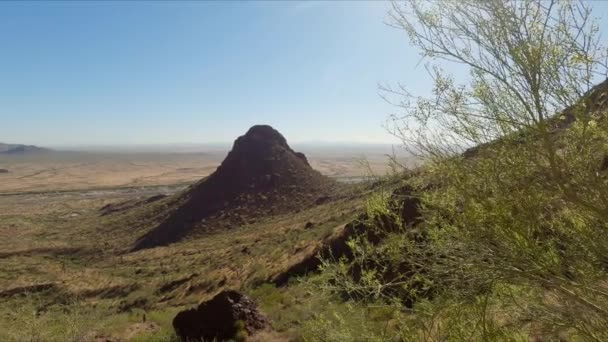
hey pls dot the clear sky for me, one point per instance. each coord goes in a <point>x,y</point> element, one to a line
<point>193,72</point>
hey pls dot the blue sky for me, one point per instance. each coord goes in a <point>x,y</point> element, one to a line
<point>177,72</point>
<point>193,72</point>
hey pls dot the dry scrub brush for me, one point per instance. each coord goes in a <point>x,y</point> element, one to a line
<point>514,241</point>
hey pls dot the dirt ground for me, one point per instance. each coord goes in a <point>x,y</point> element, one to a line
<point>60,171</point>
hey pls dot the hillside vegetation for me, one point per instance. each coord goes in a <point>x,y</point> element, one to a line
<point>511,243</point>
<point>500,235</point>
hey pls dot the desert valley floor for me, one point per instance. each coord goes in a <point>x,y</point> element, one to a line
<point>67,265</point>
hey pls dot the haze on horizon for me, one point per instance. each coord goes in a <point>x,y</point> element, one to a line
<point>146,73</point>
<point>158,73</point>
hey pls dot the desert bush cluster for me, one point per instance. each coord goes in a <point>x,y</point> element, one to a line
<point>512,243</point>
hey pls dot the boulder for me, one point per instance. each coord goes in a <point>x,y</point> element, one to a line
<point>220,318</point>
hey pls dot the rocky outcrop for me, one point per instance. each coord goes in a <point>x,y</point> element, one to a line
<point>220,319</point>
<point>260,176</point>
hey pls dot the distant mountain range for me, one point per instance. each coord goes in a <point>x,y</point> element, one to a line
<point>21,149</point>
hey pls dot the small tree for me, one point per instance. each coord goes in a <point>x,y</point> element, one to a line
<point>517,223</point>
<point>528,206</point>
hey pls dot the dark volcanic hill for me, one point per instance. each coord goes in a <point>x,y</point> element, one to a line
<point>260,176</point>
<point>21,149</point>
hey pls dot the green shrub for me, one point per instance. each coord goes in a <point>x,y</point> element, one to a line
<point>241,333</point>
<point>513,244</point>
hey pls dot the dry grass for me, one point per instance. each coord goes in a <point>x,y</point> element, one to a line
<point>61,240</point>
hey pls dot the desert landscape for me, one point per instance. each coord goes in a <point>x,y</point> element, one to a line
<point>69,220</point>
<point>291,171</point>
<point>65,170</point>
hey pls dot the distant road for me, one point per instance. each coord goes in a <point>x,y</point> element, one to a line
<point>104,192</point>
<point>139,190</point>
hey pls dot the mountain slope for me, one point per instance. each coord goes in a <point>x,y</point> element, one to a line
<point>21,149</point>
<point>262,175</point>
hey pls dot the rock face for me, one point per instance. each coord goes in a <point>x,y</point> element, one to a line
<point>260,161</point>
<point>261,175</point>
<point>216,320</point>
